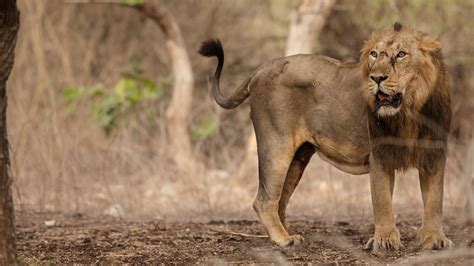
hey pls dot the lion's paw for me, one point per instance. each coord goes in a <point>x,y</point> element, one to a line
<point>384,241</point>
<point>433,239</point>
<point>297,239</point>
<point>293,240</point>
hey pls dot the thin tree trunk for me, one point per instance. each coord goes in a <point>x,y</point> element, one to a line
<point>306,24</point>
<point>177,114</point>
<point>9,25</point>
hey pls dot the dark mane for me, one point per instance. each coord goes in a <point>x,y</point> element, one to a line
<point>411,139</point>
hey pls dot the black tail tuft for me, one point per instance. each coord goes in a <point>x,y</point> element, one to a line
<point>212,47</point>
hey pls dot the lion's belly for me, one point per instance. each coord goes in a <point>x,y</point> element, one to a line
<point>342,150</point>
<point>356,161</point>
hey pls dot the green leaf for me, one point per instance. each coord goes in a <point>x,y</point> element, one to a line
<point>107,112</point>
<point>151,90</point>
<point>72,97</point>
<point>96,90</point>
<point>130,95</point>
<point>72,93</point>
<point>132,91</point>
<point>133,2</point>
<point>127,89</point>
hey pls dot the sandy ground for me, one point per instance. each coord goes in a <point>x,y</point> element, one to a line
<point>59,238</point>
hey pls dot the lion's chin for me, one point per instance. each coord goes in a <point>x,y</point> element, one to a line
<point>387,111</point>
<point>387,104</point>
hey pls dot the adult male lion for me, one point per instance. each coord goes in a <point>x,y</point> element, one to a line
<point>304,104</point>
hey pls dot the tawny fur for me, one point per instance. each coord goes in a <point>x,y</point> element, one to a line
<point>413,134</point>
<point>306,104</point>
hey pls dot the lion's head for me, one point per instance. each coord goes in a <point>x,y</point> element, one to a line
<point>401,67</point>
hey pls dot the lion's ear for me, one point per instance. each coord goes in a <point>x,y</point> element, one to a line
<point>368,45</point>
<point>429,44</point>
<point>366,48</point>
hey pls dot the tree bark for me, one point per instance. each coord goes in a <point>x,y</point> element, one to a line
<point>9,25</point>
<point>177,114</point>
<point>306,24</point>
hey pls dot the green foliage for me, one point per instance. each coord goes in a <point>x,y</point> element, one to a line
<point>133,2</point>
<point>72,95</point>
<point>205,129</point>
<point>109,106</point>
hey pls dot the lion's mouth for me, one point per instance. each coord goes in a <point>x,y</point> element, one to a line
<point>383,99</point>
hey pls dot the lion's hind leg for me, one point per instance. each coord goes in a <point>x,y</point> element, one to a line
<point>274,157</point>
<point>293,177</point>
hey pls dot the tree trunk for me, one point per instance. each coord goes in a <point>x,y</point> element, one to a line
<point>179,108</point>
<point>9,25</point>
<point>306,24</point>
<point>177,114</point>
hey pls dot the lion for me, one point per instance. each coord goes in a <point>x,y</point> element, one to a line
<point>389,111</point>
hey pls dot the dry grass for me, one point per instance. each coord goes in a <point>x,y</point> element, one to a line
<point>63,162</point>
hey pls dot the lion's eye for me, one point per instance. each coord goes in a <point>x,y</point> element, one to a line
<point>373,54</point>
<point>401,54</point>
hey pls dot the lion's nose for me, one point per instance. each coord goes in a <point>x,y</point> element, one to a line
<point>378,79</point>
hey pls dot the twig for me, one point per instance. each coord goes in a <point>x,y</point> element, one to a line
<point>238,234</point>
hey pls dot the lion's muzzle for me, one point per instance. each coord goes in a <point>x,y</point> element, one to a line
<point>384,99</point>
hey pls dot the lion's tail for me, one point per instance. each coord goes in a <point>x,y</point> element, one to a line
<point>213,47</point>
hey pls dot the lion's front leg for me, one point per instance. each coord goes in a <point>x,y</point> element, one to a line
<point>386,236</point>
<point>431,235</point>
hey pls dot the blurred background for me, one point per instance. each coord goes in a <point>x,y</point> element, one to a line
<point>103,120</point>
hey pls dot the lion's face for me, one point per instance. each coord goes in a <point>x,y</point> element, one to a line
<point>398,69</point>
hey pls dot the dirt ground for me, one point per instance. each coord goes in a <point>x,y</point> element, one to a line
<point>59,238</point>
